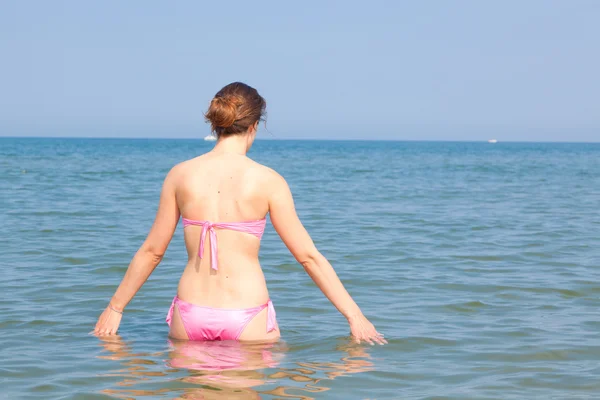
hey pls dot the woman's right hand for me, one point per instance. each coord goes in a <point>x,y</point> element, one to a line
<point>363,330</point>
<point>108,322</point>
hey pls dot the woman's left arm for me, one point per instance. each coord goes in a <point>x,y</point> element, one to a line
<point>145,260</point>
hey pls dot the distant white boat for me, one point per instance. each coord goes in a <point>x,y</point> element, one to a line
<point>210,138</point>
<point>492,141</point>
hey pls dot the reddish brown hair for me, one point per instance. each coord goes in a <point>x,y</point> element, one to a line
<point>235,108</point>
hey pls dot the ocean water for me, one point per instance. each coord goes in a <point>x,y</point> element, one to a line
<point>479,262</point>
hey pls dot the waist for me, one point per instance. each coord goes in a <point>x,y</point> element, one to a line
<point>210,307</point>
<point>239,286</point>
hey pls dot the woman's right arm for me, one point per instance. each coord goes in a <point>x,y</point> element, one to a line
<point>287,224</point>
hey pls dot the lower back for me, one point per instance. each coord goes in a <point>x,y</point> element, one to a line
<point>238,282</point>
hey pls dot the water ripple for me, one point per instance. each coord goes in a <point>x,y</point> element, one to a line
<point>479,263</point>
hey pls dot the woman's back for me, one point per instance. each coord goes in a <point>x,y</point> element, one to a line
<point>216,188</point>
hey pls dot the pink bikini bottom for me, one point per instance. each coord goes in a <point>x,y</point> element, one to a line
<point>207,323</point>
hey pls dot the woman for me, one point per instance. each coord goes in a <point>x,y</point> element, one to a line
<point>224,197</point>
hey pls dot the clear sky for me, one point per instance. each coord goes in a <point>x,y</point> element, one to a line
<point>408,70</point>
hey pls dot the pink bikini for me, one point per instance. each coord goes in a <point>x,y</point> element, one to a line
<point>206,323</point>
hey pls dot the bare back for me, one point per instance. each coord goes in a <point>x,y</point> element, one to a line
<point>222,188</point>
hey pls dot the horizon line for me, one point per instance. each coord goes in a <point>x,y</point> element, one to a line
<point>201,139</point>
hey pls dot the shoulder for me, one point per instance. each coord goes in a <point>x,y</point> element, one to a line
<point>187,166</point>
<point>267,176</point>
<point>266,181</point>
<point>177,171</point>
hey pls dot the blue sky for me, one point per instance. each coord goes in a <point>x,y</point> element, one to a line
<point>405,70</point>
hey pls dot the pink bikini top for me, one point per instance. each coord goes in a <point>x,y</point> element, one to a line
<point>256,228</point>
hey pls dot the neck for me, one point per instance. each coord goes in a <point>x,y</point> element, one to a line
<point>232,144</point>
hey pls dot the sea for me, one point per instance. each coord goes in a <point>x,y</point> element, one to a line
<point>479,262</point>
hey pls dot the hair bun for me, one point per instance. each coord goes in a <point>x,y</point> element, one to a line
<point>222,112</point>
<point>234,109</point>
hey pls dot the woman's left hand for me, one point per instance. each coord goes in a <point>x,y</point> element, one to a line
<point>108,322</point>
<point>363,330</point>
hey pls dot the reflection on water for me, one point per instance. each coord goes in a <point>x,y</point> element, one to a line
<point>230,364</point>
<point>231,370</point>
<point>354,360</point>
